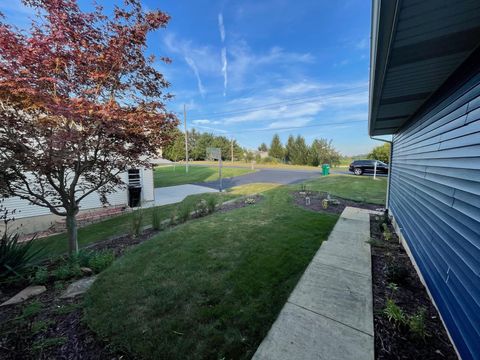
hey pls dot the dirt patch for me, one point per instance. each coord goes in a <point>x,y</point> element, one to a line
<point>391,265</point>
<point>47,327</point>
<point>314,200</point>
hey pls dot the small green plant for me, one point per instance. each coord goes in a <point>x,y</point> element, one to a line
<point>376,243</point>
<point>15,256</point>
<point>184,211</point>
<point>101,260</point>
<point>136,223</point>
<point>387,235</point>
<point>201,208</point>
<point>211,204</point>
<point>41,345</point>
<point>30,310</point>
<point>67,271</point>
<point>40,276</point>
<point>59,285</point>
<point>81,258</point>
<point>156,219</point>
<point>384,226</point>
<point>41,326</point>
<point>393,287</point>
<point>393,313</point>
<point>416,324</point>
<point>173,216</point>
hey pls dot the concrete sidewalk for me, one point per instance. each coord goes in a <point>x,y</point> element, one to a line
<point>174,194</point>
<point>329,314</point>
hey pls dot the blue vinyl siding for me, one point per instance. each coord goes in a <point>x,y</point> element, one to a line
<point>435,199</point>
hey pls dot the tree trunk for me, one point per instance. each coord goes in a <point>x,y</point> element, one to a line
<point>72,231</point>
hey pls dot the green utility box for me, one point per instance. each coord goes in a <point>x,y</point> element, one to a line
<point>325,169</point>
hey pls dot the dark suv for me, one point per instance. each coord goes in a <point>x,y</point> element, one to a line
<point>358,167</point>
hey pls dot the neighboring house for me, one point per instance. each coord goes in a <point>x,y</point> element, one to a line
<point>425,91</point>
<point>31,218</point>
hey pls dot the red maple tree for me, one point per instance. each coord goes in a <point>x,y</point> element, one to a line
<point>80,103</point>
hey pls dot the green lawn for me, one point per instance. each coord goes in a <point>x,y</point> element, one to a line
<point>356,188</point>
<point>175,175</point>
<point>57,244</point>
<point>210,288</point>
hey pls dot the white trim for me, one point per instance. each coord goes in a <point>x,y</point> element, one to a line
<point>404,243</point>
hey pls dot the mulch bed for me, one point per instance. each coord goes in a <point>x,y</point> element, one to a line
<point>317,197</point>
<point>64,334</point>
<point>391,264</point>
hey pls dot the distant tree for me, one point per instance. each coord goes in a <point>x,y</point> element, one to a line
<point>276,148</point>
<point>301,151</point>
<point>80,103</point>
<point>175,151</point>
<point>290,149</point>
<point>322,152</point>
<point>263,147</point>
<point>249,156</point>
<point>381,153</point>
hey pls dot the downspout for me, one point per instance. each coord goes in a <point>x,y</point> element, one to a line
<point>387,200</point>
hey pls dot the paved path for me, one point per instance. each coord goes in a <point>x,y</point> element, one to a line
<point>283,177</point>
<point>174,194</point>
<point>329,313</point>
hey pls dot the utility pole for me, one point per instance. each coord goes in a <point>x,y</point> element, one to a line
<point>186,137</point>
<point>232,149</point>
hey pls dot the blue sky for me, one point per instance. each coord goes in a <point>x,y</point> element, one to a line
<point>249,69</point>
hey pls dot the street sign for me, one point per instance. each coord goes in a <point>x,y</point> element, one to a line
<point>214,153</point>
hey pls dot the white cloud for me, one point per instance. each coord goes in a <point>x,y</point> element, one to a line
<point>221,27</point>
<point>224,71</point>
<point>194,68</point>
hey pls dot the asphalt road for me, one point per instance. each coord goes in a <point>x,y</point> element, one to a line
<point>277,176</point>
<point>283,177</point>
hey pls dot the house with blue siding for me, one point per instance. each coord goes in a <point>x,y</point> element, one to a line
<point>425,92</point>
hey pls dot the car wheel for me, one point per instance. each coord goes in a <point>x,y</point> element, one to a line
<point>358,171</point>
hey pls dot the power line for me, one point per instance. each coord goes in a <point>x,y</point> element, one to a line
<point>291,127</point>
<point>294,101</point>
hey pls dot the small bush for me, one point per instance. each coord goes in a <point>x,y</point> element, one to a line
<point>201,208</point>
<point>173,216</point>
<point>41,326</point>
<point>250,201</point>
<point>31,310</point>
<point>81,258</point>
<point>393,313</point>
<point>211,204</point>
<point>101,260</point>
<point>40,277</point>
<point>67,271</point>
<point>184,211</point>
<point>15,256</point>
<point>136,223</point>
<point>156,219</point>
<point>416,324</point>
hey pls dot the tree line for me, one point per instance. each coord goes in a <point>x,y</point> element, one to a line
<point>198,143</point>
<point>297,152</point>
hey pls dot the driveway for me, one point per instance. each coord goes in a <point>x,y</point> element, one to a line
<point>278,176</point>
<point>174,194</point>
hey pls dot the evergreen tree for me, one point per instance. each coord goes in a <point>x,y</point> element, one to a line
<point>276,148</point>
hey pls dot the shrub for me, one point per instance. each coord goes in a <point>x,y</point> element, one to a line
<point>387,235</point>
<point>101,260</point>
<point>67,271</point>
<point>201,208</point>
<point>81,258</point>
<point>173,216</point>
<point>40,277</point>
<point>136,223</point>
<point>184,211</point>
<point>156,219</point>
<point>416,324</point>
<point>15,257</point>
<point>393,313</point>
<point>211,204</point>
<point>250,201</point>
